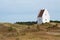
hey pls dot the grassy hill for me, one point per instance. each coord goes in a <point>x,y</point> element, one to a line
<point>9,31</point>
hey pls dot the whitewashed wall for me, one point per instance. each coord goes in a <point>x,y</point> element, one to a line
<point>39,20</point>
<point>46,16</point>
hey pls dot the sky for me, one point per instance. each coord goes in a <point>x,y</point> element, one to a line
<point>27,10</point>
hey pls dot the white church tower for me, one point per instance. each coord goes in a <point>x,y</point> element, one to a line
<point>43,16</point>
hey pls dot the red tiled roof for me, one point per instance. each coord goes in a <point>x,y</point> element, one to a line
<point>41,13</point>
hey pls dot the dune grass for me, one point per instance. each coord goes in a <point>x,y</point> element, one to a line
<point>10,31</point>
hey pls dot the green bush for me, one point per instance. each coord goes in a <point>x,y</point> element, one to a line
<point>10,29</point>
<point>26,23</point>
<point>55,21</point>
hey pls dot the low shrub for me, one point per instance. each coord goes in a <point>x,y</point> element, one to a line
<point>55,21</point>
<point>26,23</point>
<point>10,29</point>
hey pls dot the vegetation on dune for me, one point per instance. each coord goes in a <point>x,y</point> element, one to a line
<point>28,30</point>
<point>26,23</point>
<point>11,29</point>
<point>55,21</point>
<point>35,22</point>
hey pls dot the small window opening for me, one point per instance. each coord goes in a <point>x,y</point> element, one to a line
<point>45,19</point>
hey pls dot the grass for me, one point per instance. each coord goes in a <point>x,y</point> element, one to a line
<point>27,32</point>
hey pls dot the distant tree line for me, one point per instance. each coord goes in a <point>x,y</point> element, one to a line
<point>34,22</point>
<point>27,23</point>
<point>55,21</point>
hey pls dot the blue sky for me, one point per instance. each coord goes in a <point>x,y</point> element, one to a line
<point>27,10</point>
